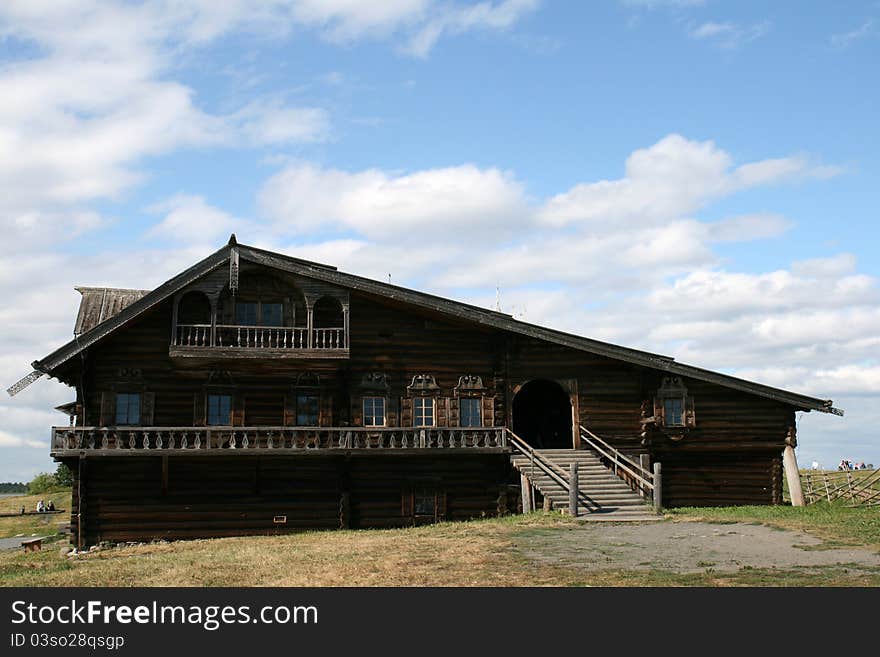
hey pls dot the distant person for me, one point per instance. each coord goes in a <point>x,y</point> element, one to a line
<point>815,465</point>
<point>51,506</point>
<point>22,510</point>
<point>41,507</point>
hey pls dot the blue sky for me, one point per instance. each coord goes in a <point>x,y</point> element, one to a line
<point>695,178</point>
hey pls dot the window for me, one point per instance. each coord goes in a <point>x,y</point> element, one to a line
<point>673,412</point>
<point>423,412</point>
<point>307,410</point>
<point>259,313</point>
<point>219,410</point>
<point>374,411</point>
<point>471,413</point>
<point>424,502</point>
<point>128,408</point>
<point>246,313</point>
<point>271,314</point>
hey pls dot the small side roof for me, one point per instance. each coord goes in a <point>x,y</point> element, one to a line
<point>441,305</point>
<point>101,303</point>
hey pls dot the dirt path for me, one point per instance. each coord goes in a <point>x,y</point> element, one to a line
<point>683,547</point>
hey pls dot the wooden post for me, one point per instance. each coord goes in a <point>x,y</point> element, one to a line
<point>573,490</point>
<point>645,464</point>
<point>793,476</point>
<point>658,488</point>
<point>528,501</point>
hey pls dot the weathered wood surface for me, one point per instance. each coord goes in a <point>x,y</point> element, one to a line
<point>126,500</point>
<point>731,455</point>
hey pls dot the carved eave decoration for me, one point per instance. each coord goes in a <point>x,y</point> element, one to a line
<point>469,384</point>
<point>423,385</point>
<point>374,381</point>
<point>220,379</point>
<point>307,380</point>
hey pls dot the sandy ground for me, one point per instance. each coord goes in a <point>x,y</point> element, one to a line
<point>684,547</point>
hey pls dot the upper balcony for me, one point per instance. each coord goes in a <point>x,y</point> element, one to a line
<point>263,317</point>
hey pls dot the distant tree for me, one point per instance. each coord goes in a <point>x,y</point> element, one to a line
<point>42,483</point>
<point>63,476</point>
<point>13,487</point>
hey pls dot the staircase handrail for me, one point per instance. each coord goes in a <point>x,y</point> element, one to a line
<point>521,445</point>
<point>643,476</point>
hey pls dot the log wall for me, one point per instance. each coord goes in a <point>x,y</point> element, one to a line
<point>132,499</point>
<point>731,456</point>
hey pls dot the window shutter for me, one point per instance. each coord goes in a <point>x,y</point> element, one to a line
<point>289,418</point>
<point>108,408</point>
<point>659,412</point>
<point>454,412</point>
<point>148,405</point>
<point>440,505</point>
<point>237,413</point>
<point>441,407</point>
<point>406,502</point>
<point>391,414</point>
<point>488,411</point>
<point>200,410</point>
<point>406,412</point>
<point>690,415</point>
<point>357,411</point>
<point>325,410</point>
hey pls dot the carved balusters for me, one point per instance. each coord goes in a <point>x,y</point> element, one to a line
<point>183,443</point>
<point>197,443</point>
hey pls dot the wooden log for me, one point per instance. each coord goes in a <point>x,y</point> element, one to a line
<point>658,488</point>
<point>528,500</point>
<point>573,490</point>
<point>793,476</point>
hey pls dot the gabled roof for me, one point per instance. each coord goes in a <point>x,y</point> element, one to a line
<point>467,312</point>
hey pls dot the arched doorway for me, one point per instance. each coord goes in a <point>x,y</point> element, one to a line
<point>542,415</point>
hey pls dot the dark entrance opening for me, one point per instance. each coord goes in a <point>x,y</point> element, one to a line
<point>542,415</point>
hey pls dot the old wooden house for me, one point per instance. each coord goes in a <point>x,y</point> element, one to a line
<point>259,393</point>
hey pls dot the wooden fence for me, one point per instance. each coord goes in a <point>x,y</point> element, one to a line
<point>856,487</point>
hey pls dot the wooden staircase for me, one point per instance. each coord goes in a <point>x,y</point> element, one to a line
<point>602,495</point>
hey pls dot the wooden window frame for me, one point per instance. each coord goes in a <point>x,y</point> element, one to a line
<point>462,402</point>
<point>140,404</point>
<point>316,395</point>
<point>229,416</point>
<point>259,311</point>
<point>374,398</point>
<point>422,400</point>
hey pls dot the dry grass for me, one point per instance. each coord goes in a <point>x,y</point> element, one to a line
<point>34,525</point>
<point>478,553</point>
<point>449,554</point>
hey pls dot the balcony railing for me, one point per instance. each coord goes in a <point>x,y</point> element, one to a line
<point>184,440</point>
<point>257,337</point>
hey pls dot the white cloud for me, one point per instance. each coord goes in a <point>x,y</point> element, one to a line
<point>846,39</point>
<point>729,35</point>
<point>377,204</point>
<point>191,220</point>
<point>456,20</point>
<point>674,177</point>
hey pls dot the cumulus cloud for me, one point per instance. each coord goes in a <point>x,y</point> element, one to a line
<point>674,177</point>
<point>374,203</point>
